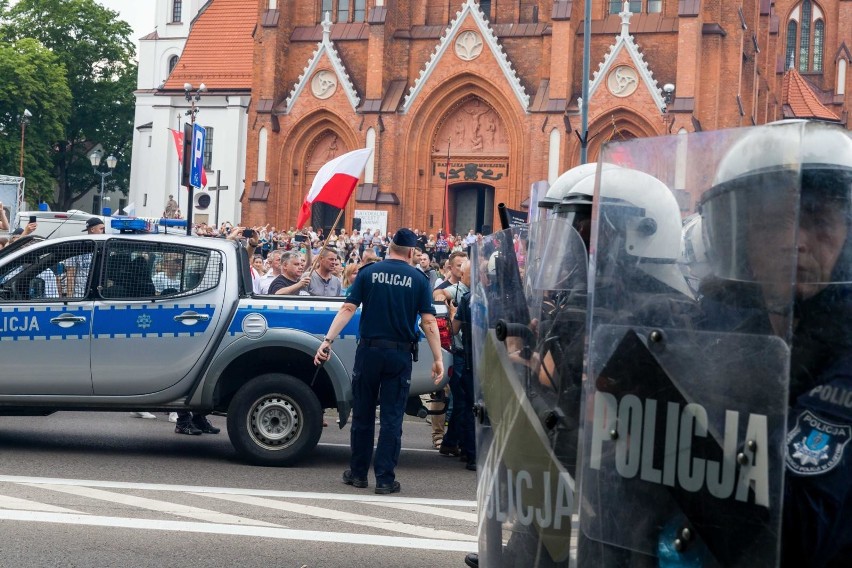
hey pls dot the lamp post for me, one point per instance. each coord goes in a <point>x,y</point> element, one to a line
<point>668,97</point>
<point>25,119</point>
<point>192,98</point>
<point>95,159</point>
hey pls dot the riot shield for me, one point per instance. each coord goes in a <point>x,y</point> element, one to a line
<point>528,310</point>
<point>686,391</point>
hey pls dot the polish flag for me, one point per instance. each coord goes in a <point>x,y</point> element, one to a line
<point>335,182</point>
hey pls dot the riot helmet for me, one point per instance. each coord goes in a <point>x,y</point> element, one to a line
<point>639,223</point>
<point>576,205</point>
<point>563,185</point>
<point>784,187</point>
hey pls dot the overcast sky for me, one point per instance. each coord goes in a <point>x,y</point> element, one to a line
<point>138,13</point>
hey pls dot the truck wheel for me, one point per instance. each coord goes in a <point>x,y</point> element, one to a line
<point>274,419</point>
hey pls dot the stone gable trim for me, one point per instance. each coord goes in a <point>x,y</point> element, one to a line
<point>470,8</point>
<point>625,41</point>
<point>324,47</point>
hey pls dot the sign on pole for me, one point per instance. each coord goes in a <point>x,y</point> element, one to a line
<point>198,135</point>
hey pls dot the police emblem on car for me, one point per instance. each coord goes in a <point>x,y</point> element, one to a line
<point>815,445</point>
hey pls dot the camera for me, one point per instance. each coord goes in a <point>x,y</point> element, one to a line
<point>249,233</point>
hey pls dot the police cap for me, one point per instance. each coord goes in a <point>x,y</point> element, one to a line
<point>405,238</point>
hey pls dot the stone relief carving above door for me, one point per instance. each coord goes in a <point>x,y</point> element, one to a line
<point>473,128</point>
<point>327,147</point>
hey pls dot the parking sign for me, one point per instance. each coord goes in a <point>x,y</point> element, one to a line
<point>198,135</point>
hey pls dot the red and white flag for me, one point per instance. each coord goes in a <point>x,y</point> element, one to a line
<point>178,138</point>
<point>335,182</point>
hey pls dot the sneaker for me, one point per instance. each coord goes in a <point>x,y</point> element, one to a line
<point>387,488</point>
<point>172,416</point>
<point>472,560</point>
<point>188,429</point>
<point>350,479</point>
<point>146,415</point>
<point>471,466</point>
<point>202,424</point>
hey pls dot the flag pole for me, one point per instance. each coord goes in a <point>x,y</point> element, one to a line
<point>325,242</point>
<point>445,213</point>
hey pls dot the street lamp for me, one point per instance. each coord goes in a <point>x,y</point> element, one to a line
<point>25,119</point>
<point>191,98</point>
<point>95,159</point>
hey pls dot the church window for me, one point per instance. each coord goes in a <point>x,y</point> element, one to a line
<point>172,63</point>
<point>358,11</point>
<point>177,6</point>
<point>636,6</point>
<point>485,6</point>
<point>805,42</point>
<point>208,149</point>
<point>841,77</point>
<point>343,11</point>
<point>262,143</point>
<point>819,35</point>
<point>790,59</point>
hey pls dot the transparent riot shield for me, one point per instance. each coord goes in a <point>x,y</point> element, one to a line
<point>528,310</point>
<point>686,391</point>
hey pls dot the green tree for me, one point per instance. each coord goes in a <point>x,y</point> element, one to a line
<point>32,78</point>
<point>98,56</point>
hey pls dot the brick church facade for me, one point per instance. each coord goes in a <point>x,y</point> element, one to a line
<point>495,85</point>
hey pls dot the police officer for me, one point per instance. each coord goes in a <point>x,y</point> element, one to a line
<point>393,294</point>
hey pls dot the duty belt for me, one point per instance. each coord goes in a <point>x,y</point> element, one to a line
<point>385,344</point>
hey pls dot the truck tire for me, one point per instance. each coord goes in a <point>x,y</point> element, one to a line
<point>274,420</point>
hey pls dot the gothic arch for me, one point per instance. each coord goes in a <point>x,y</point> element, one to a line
<point>295,151</point>
<point>428,118</point>
<point>619,124</point>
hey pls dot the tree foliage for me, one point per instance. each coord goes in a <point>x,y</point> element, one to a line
<point>32,78</point>
<point>94,49</point>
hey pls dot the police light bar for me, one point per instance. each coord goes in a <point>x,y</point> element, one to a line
<point>173,223</point>
<point>131,224</point>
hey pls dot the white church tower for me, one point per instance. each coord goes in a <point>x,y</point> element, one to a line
<point>169,57</point>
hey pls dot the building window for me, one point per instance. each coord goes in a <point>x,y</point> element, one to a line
<point>177,6</point>
<point>485,6</point>
<point>635,6</point>
<point>805,38</point>
<point>819,35</point>
<point>208,149</point>
<point>172,63</point>
<point>343,11</point>
<point>359,10</point>
<point>262,141</point>
<point>791,45</point>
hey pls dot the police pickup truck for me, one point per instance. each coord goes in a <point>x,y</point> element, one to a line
<point>166,323</point>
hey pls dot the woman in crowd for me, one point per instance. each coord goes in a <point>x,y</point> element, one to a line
<point>349,274</point>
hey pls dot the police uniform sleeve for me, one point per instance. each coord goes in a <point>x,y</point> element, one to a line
<point>425,305</point>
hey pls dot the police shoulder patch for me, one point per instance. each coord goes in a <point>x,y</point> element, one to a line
<point>815,446</point>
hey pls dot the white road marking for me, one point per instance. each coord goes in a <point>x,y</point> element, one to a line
<point>240,530</point>
<point>448,513</point>
<point>238,491</point>
<point>344,516</point>
<point>155,505</point>
<point>19,504</point>
<point>428,451</point>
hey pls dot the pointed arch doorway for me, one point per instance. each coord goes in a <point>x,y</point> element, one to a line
<point>471,206</point>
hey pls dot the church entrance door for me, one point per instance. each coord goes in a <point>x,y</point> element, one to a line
<point>471,207</point>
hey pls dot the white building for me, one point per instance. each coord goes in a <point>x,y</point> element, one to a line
<point>193,42</point>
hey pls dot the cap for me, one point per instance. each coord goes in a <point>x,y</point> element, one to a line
<point>93,222</point>
<point>405,238</point>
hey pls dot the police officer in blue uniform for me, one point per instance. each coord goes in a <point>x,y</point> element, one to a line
<point>393,294</point>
